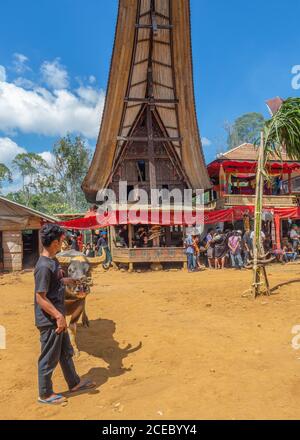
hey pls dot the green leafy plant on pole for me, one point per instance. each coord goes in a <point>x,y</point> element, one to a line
<point>280,133</point>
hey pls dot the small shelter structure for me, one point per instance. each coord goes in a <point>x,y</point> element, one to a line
<point>19,235</point>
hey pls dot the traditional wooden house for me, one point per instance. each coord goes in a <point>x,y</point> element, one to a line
<point>149,134</point>
<point>233,174</point>
<point>19,235</point>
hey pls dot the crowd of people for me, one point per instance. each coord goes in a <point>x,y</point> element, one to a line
<point>289,250</point>
<point>218,250</point>
<point>234,249</point>
<point>95,248</point>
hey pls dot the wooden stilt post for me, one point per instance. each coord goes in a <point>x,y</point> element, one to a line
<point>290,183</point>
<point>257,251</point>
<point>277,231</point>
<point>264,271</point>
<point>130,236</point>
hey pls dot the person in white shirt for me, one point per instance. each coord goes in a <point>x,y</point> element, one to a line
<point>294,236</point>
<point>262,239</point>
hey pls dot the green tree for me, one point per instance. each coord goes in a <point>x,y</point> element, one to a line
<point>47,196</point>
<point>5,174</point>
<point>72,158</point>
<point>56,187</point>
<point>30,165</point>
<point>44,196</point>
<point>246,128</point>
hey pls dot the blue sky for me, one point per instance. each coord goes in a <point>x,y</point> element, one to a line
<point>55,56</point>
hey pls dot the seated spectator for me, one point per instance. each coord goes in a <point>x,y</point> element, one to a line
<point>145,242</point>
<point>123,234</point>
<point>294,236</point>
<point>289,253</point>
<point>120,241</point>
<point>268,243</point>
<point>89,252</point>
<point>278,253</point>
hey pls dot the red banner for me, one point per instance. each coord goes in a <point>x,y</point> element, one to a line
<point>174,218</point>
<point>250,166</point>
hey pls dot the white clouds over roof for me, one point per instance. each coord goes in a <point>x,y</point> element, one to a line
<point>42,103</point>
<point>48,157</point>
<point>28,108</point>
<point>55,75</point>
<point>8,150</point>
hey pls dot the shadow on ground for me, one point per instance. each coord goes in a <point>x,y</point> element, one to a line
<point>98,341</point>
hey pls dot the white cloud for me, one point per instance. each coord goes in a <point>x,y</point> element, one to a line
<point>20,58</point>
<point>2,74</point>
<point>24,82</point>
<point>19,63</point>
<point>48,157</point>
<point>55,75</point>
<point>88,94</point>
<point>9,150</point>
<point>54,110</point>
<point>206,142</point>
<point>48,113</point>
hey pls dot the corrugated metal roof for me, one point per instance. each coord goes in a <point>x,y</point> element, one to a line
<point>248,152</point>
<point>28,210</point>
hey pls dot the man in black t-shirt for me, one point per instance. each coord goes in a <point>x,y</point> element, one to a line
<point>50,319</point>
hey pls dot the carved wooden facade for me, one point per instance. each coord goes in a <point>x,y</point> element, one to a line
<point>149,134</point>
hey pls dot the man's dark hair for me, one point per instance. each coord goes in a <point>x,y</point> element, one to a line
<point>50,233</point>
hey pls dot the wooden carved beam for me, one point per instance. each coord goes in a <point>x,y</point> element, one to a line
<point>146,139</point>
<point>151,101</point>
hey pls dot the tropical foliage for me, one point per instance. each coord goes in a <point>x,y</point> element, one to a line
<point>282,131</point>
<point>245,129</point>
<point>52,187</point>
<point>5,174</point>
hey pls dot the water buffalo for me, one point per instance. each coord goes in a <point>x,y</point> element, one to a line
<point>78,267</point>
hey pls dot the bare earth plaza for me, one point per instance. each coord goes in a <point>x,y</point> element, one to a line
<point>148,272</point>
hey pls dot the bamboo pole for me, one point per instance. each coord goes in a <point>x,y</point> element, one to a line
<point>257,248</point>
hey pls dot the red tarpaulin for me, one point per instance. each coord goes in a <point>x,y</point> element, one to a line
<point>250,167</point>
<point>175,218</point>
<point>144,217</point>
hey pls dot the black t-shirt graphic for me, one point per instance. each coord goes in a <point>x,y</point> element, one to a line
<point>47,279</point>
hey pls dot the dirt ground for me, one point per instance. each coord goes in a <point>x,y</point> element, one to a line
<point>166,345</point>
